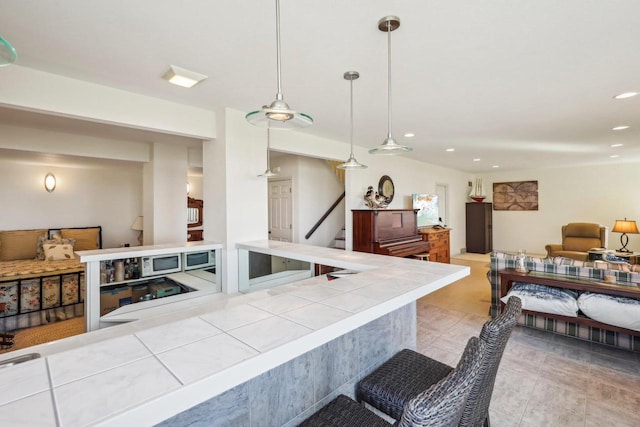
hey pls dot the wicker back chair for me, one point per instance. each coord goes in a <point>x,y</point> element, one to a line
<point>439,406</point>
<point>443,403</point>
<point>495,334</point>
<point>391,386</point>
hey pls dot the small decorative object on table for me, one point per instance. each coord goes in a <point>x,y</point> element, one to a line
<point>477,192</point>
<point>520,266</point>
<point>375,200</point>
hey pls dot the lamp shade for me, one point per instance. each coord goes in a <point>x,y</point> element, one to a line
<point>8,53</point>
<point>278,115</point>
<point>625,226</point>
<point>137,224</point>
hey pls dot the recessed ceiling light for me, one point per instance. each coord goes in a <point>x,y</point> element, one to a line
<point>183,77</point>
<point>625,95</point>
<point>613,156</point>
<point>476,160</point>
<point>495,166</point>
<point>623,127</point>
<point>409,135</point>
<point>616,145</point>
<point>450,149</point>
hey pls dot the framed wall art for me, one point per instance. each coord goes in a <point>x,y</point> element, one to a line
<point>515,196</point>
<point>427,206</point>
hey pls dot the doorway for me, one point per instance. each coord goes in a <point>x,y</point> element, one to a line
<point>442,191</point>
<point>280,210</point>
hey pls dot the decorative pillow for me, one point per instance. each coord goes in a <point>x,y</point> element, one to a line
<point>545,299</point>
<point>42,240</point>
<point>534,259</point>
<point>86,238</point>
<point>57,252</point>
<point>19,244</point>
<point>612,310</point>
<point>615,266</point>
<point>560,260</point>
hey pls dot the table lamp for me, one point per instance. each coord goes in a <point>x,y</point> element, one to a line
<point>138,226</point>
<point>625,227</point>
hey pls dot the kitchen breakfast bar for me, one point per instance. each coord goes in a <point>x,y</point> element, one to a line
<point>268,357</point>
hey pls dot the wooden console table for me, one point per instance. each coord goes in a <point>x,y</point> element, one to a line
<point>438,238</point>
<point>631,290</point>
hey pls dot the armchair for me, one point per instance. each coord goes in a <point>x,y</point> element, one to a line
<point>577,239</point>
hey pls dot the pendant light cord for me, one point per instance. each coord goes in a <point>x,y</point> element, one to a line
<point>351,116</point>
<point>389,77</point>
<point>279,94</point>
<point>268,146</point>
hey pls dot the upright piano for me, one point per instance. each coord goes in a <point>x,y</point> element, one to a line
<point>387,232</point>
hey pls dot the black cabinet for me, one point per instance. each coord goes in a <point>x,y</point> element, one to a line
<point>479,228</point>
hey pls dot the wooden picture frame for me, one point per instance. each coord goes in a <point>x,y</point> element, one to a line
<point>194,212</point>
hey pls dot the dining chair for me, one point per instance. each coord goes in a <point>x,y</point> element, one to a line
<point>390,387</point>
<point>440,405</point>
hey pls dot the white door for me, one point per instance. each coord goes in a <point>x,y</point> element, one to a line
<point>442,190</point>
<point>280,210</point>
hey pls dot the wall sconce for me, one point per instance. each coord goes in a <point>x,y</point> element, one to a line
<point>50,182</point>
<point>188,188</point>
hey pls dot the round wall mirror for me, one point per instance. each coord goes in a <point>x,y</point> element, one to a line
<point>386,187</point>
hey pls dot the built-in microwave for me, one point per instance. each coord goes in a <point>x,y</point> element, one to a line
<point>154,265</point>
<point>202,259</point>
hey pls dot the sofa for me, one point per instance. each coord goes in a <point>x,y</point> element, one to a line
<point>41,279</point>
<point>577,239</point>
<point>614,321</point>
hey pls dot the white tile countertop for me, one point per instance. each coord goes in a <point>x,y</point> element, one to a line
<point>146,371</point>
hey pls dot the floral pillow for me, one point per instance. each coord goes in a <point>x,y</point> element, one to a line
<point>43,239</point>
<point>58,251</point>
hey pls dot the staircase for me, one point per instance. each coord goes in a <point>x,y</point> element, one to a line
<point>338,240</point>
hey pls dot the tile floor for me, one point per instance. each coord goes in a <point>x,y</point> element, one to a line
<point>544,379</point>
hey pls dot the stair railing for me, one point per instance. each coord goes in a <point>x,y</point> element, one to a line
<point>326,214</point>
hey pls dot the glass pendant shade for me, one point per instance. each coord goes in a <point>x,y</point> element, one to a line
<point>268,173</point>
<point>389,145</point>
<point>352,163</point>
<point>278,115</point>
<point>8,54</point>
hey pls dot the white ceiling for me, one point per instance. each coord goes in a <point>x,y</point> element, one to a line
<point>517,84</point>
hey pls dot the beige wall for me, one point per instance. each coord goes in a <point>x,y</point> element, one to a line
<point>88,193</point>
<point>599,194</point>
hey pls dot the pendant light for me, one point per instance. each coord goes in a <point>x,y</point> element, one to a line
<point>278,114</point>
<point>268,173</point>
<point>389,145</point>
<point>352,163</point>
<point>8,54</point>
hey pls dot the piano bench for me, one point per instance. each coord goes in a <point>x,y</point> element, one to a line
<point>422,257</point>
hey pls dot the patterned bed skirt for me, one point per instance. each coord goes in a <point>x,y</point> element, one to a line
<point>39,300</point>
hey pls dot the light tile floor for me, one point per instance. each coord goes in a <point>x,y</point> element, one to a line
<point>544,379</point>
